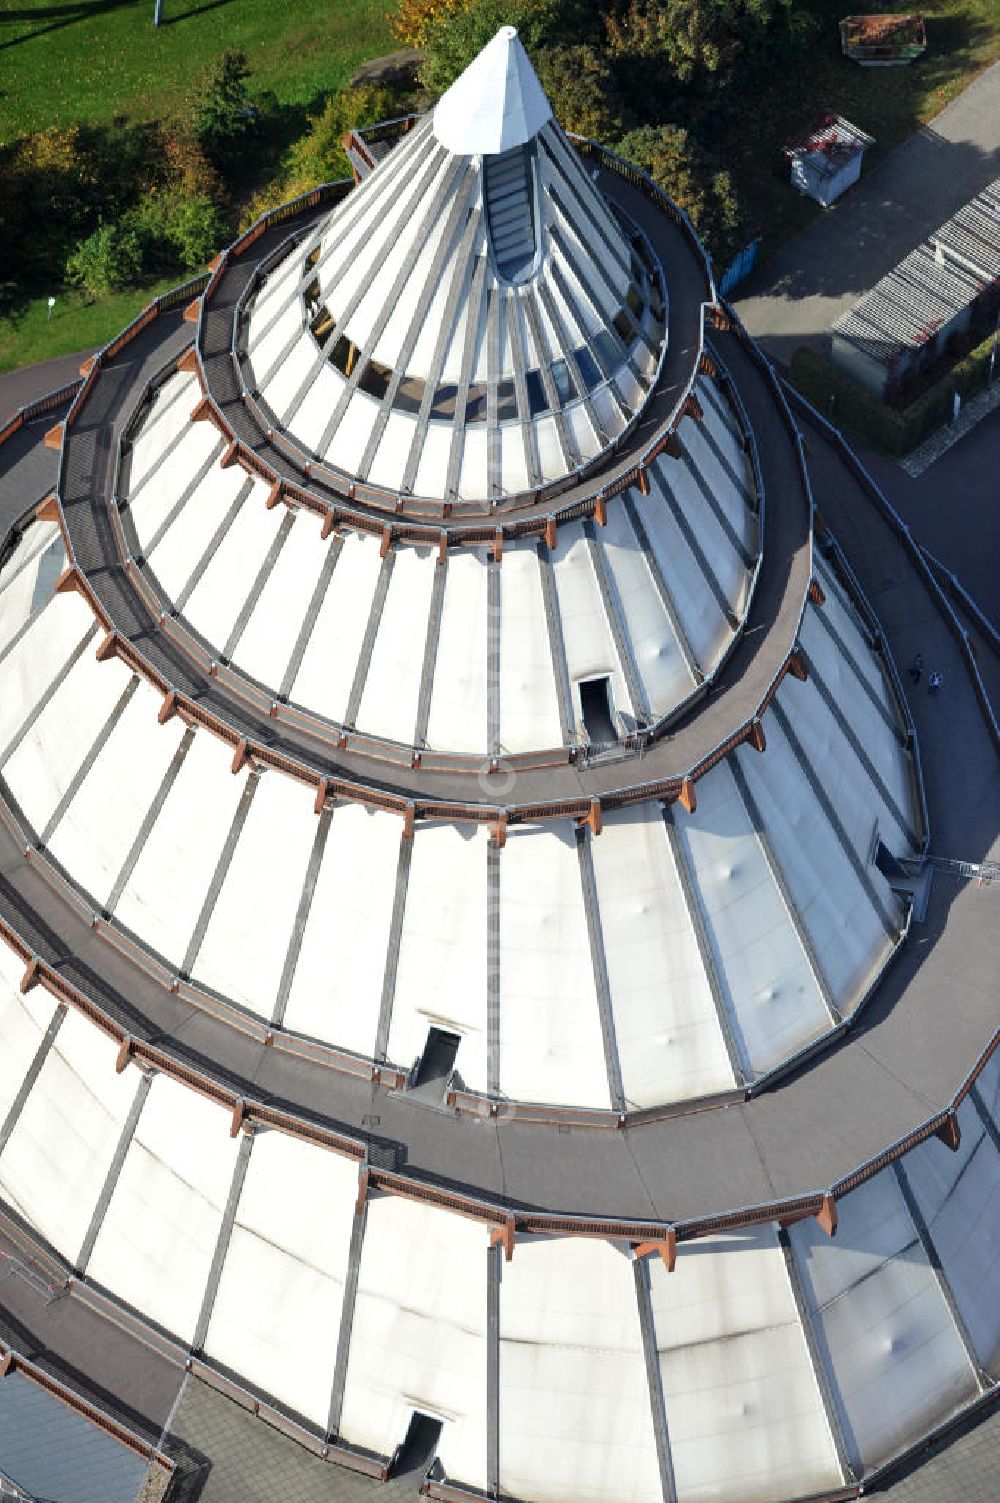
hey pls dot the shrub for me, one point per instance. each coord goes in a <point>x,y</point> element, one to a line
<point>673,159</point>
<point>318,156</point>
<point>177,229</point>
<point>107,260</point>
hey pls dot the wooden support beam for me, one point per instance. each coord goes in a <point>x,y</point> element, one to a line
<point>322,789</point>
<point>665,1247</point>
<point>7,1363</point>
<point>385,542</point>
<point>827,1215</point>
<point>168,708</point>
<point>188,362</point>
<point>505,1236</point>
<point>498,545</point>
<point>687,798</point>
<point>201,412</point>
<point>192,311</point>
<point>718,317</point>
<point>593,818</point>
<point>238,1117</point>
<point>230,455</point>
<point>706,365</point>
<point>215,262</point>
<point>68,580</point>
<point>693,408</point>
<point>601,511</point>
<point>54,437</point>
<point>796,666</point>
<point>88,366</point>
<point>408,820</point>
<point>551,533</point>
<point>643,480</point>
<point>755,736</point>
<point>672,445</point>
<point>241,756</point>
<point>274,495</point>
<point>108,648</point>
<point>816,594</point>
<point>498,831</point>
<point>949,1132</point>
<point>29,980</point>
<point>364,1175</point>
<point>49,510</point>
<point>442,548</point>
<point>124,1054</point>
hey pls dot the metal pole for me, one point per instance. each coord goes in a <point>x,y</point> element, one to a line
<point>993,352</point>
<point>157,12</point>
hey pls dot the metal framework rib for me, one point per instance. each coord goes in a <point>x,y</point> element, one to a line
<point>202,472</point>
<point>494,438</point>
<point>222,1241</point>
<point>302,916</point>
<point>557,649</point>
<point>778,878</point>
<point>713,392</point>
<point>926,1238</point>
<point>152,815</point>
<point>725,464</point>
<point>195,578</point>
<point>311,616</point>
<point>654,1379</point>
<point>685,876</point>
<point>619,630</point>
<point>392,947</point>
<point>346,1320</point>
<point>889,924</point>
<point>114,1170</point>
<point>602,986</point>
<point>222,868</point>
<point>598,308</point>
<point>566,343</point>
<point>511,310</point>
<point>31,1074</point>
<point>851,737</point>
<point>493,858</point>
<point>823,617</point>
<point>494,623</point>
<point>76,781</point>
<point>567,441</point>
<point>430,652</point>
<point>663,590</point>
<point>493,1274</point>
<point>257,588</point>
<point>160,460</point>
<point>473,320</point>
<point>850,1465</point>
<point>368,641</point>
<point>664,491</point>
<point>733,537</point>
<point>48,694</point>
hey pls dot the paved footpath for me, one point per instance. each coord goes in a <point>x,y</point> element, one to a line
<point>31,381</point>
<point>798,294</point>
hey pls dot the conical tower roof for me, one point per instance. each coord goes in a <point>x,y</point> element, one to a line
<point>496,104</point>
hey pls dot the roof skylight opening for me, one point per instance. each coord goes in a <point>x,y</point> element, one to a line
<point>509,198</point>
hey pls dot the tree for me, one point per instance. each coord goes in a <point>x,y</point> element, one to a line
<point>107,260</point>
<point>453,35</point>
<point>582,91</point>
<point>225,115</point>
<point>696,39</point>
<point>674,160</point>
<point>318,156</point>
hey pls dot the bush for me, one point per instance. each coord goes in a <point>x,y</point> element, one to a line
<point>175,228</point>
<point>673,159</point>
<point>109,259</point>
<point>318,156</point>
<point>848,405</point>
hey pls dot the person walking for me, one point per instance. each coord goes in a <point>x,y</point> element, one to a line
<point>934,683</point>
<point>917,667</point>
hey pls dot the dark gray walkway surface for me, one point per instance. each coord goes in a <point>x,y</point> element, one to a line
<point>795,298</point>
<point>24,385</point>
<point>29,470</point>
<point>57,1455</point>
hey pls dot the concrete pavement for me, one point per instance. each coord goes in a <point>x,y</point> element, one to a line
<point>798,294</point>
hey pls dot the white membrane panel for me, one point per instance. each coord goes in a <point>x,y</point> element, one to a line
<point>727,564</point>
<point>267,643</point>
<point>96,833</point>
<point>775,1001</point>
<point>276,1317</point>
<point>165,892</point>
<point>458,701</point>
<point>184,544</point>
<point>958,1195</point>
<point>744,1411</point>
<point>337,987</point>
<point>896,1359</point>
<point>700,614</point>
<point>392,684</point>
<point>243,951</point>
<point>52,752</point>
<point>529,707</point>
<point>23,1021</point>
<point>670,1044</point>
<point>57,1158</point>
<point>664,673</point>
<point>40,655</point>
<point>157,1240</point>
<point>153,500</point>
<point>165,421</point>
<point>418,1340</point>
<point>38,558</point>
<point>441,971</point>
<point>576,1423</point>
<point>324,679</point>
<point>590,650</point>
<point>844,927</point>
<point>728,498</point>
<point>550,1033</point>
<point>843,616</point>
<point>219,596</point>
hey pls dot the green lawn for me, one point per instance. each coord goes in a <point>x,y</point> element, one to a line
<point>77,323</point>
<point>89,60</point>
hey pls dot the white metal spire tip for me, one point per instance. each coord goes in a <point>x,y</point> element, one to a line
<point>496,104</point>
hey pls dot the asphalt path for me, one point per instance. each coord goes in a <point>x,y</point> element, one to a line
<point>31,381</point>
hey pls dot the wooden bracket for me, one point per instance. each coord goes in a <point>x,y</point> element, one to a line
<point>816,594</point>
<point>192,311</point>
<point>442,548</point>
<point>796,666</point>
<point>756,737</point>
<point>498,545</point>
<point>329,522</point>
<point>238,1118</point>
<point>693,408</point>
<point>949,1132</point>
<point>49,510</point>
<point>551,533</point>
<point>593,819</point>
<point>601,511</point>
<point>687,798</point>
<point>188,362</point>
<point>201,412</point>
<point>665,1246</point>
<point>230,455</point>
<point>69,579</point>
<point>88,366</point>
<point>6,1363</point>
<point>706,365</point>
<point>241,756</point>
<point>643,480</point>
<point>274,496</point>
<point>216,262</point>
<point>409,817</point>
<point>672,445</point>
<point>31,975</point>
<point>124,1054</point>
<point>322,789</point>
<point>364,1175</point>
<point>386,542</point>
<point>505,1236</point>
<point>168,708</point>
<point>54,437</point>
<point>827,1215</point>
<point>498,831</point>
<point>718,317</point>
<point>108,647</point>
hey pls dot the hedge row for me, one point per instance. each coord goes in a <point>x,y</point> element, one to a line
<point>849,406</point>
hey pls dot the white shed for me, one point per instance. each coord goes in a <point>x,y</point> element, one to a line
<point>826,159</point>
